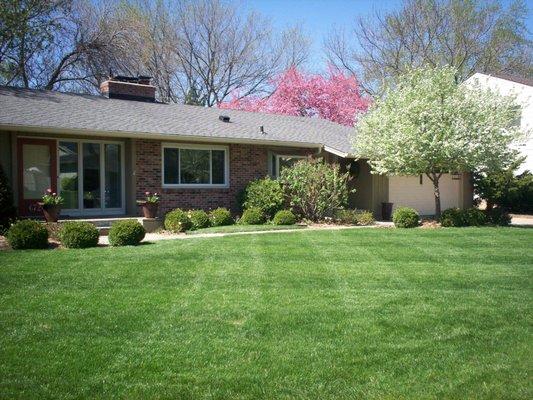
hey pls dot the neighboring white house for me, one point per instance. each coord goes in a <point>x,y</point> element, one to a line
<point>523,90</point>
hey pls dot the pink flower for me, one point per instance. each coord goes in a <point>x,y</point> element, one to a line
<point>48,190</point>
<point>54,194</point>
<point>147,193</point>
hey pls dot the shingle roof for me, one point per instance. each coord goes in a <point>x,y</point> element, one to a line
<point>40,109</point>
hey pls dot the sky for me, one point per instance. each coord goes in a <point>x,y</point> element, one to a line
<point>318,17</point>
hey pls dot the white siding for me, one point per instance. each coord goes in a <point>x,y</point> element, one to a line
<point>407,191</point>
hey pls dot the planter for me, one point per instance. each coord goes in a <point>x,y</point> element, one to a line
<point>386,211</point>
<point>149,209</point>
<point>51,212</point>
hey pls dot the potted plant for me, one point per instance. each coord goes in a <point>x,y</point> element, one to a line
<point>149,205</point>
<point>51,205</point>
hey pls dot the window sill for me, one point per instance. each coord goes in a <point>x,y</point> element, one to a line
<point>194,186</point>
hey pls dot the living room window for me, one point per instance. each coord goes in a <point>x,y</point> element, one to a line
<point>279,162</point>
<point>195,166</point>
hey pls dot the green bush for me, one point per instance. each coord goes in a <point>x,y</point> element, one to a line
<point>315,189</point>
<point>126,233</point>
<point>498,216</point>
<point>27,234</point>
<point>265,194</point>
<point>7,209</point>
<point>252,216</point>
<point>354,217</point>
<point>405,217</point>
<point>452,217</point>
<point>78,235</point>
<point>467,217</point>
<point>364,217</point>
<point>177,221</point>
<point>221,217</point>
<point>475,217</point>
<point>284,217</point>
<point>199,219</point>
<point>506,189</point>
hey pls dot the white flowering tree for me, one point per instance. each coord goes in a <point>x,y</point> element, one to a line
<point>427,124</point>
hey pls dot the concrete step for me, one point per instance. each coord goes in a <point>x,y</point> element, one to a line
<point>104,224</point>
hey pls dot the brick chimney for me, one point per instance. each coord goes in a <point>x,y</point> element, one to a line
<point>129,88</point>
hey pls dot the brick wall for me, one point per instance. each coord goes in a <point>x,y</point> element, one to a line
<point>246,163</point>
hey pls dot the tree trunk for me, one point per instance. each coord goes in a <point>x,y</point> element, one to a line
<point>436,191</point>
<point>434,178</point>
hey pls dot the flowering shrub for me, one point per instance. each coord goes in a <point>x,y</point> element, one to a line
<point>315,189</point>
<point>221,217</point>
<point>52,198</point>
<point>199,219</point>
<point>177,221</point>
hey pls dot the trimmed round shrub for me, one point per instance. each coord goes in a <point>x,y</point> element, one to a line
<point>452,217</point>
<point>252,216</point>
<point>221,217</point>
<point>126,233</point>
<point>498,216</point>
<point>405,217</point>
<point>199,219</point>
<point>177,221</point>
<point>78,235</point>
<point>284,217</point>
<point>27,234</point>
<point>265,194</point>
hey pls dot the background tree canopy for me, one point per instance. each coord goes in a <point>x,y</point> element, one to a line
<point>471,35</point>
<point>200,50</point>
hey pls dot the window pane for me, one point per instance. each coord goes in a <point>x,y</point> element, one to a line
<point>68,174</point>
<point>37,164</point>
<point>217,166</point>
<point>287,162</point>
<point>194,166</point>
<point>91,175</point>
<point>113,176</point>
<point>171,172</point>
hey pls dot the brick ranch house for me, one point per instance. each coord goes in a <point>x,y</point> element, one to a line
<point>102,153</point>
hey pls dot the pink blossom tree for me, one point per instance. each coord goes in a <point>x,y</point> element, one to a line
<point>335,97</point>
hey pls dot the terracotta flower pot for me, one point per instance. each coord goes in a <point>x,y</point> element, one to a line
<point>51,212</point>
<point>149,209</point>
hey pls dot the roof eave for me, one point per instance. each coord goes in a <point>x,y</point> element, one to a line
<point>149,135</point>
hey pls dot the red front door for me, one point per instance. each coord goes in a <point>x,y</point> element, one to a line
<point>37,171</point>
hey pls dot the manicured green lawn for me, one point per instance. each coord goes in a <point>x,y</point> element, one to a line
<point>245,228</point>
<point>363,313</point>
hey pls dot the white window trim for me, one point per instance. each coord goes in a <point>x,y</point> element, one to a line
<point>195,185</point>
<point>278,156</point>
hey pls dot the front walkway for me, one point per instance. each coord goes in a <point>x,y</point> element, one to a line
<point>156,236</point>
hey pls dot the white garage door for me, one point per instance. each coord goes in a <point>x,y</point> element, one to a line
<point>407,191</point>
